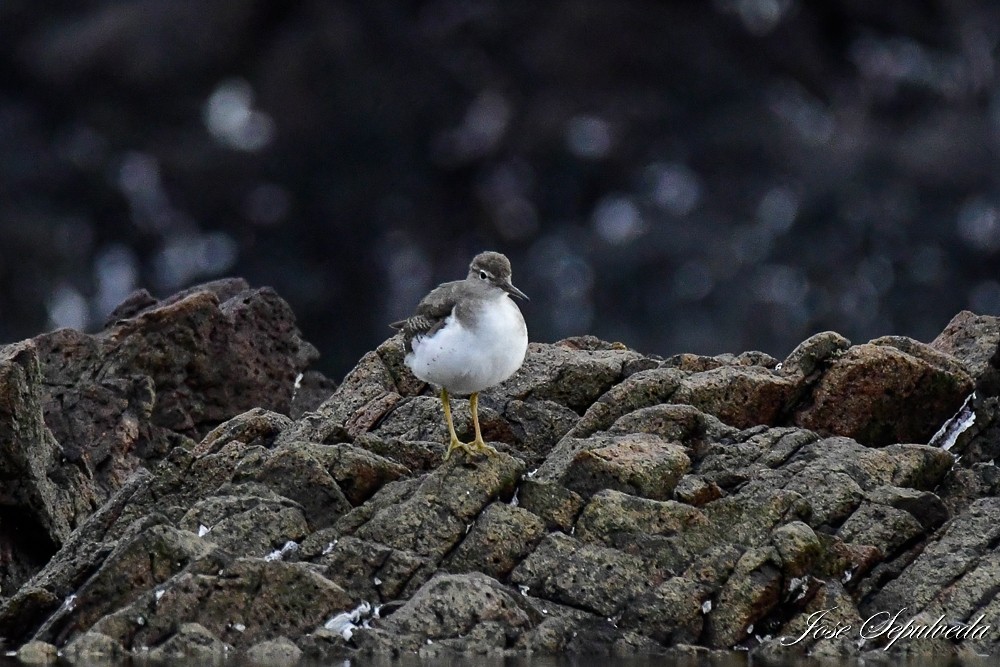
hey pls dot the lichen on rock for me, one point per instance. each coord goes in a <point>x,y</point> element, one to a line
<point>187,503</point>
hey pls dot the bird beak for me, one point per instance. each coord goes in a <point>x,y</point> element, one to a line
<point>513,291</point>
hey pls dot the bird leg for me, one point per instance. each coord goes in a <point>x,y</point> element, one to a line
<point>478,444</point>
<point>455,442</point>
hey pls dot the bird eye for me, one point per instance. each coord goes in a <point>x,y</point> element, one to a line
<point>484,275</point>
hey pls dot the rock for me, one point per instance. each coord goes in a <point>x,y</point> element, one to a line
<point>245,602</point>
<point>566,375</point>
<point>249,524</point>
<point>415,455</point>
<point>37,653</point>
<point>253,427</point>
<point>975,341</point>
<point>798,548</point>
<point>294,472</point>
<point>473,610</point>
<point>751,592</point>
<point>327,480</point>
<point>637,463</point>
<point>739,396</point>
<point>814,354</point>
<point>365,395</point>
<point>884,527</point>
<point>499,539</point>
<point>145,559</point>
<point>673,613</point>
<point>939,572</point>
<point>435,517</point>
<point>681,423</point>
<point>744,520</point>
<point>280,652</point>
<point>647,521</point>
<point>191,642</point>
<point>640,464</point>
<point>733,461</point>
<point>695,490</point>
<point>632,524</point>
<point>553,503</point>
<point>536,425</point>
<point>311,389</point>
<point>371,571</point>
<point>28,451</point>
<point>237,352</point>
<point>835,623</point>
<point>84,551</point>
<point>643,389</point>
<point>93,647</point>
<point>836,472</point>
<point>597,579</point>
<point>86,411</point>
<point>868,394</point>
<point>963,486</point>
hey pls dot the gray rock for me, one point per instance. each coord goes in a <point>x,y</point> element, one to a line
<point>434,518</point>
<point>814,354</point>
<point>140,561</point>
<point>248,601</point>
<point>695,490</point>
<point>84,551</point>
<point>247,524</point>
<point>327,480</point>
<point>415,455</point>
<point>500,538</point>
<point>552,502</point>
<point>740,396</point>
<point>280,652</point>
<point>253,427</point>
<point>798,548</point>
<point>943,564</point>
<point>631,523</point>
<point>831,608</point>
<point>371,571</point>
<point>974,341</point>
<point>37,653</point>
<point>752,591</point>
<point>640,390</point>
<point>536,425</point>
<point>650,518</point>
<point>868,394</point>
<point>191,642</point>
<point>640,464</point>
<point>367,393</point>
<point>567,375</point>
<point>672,613</point>
<point>681,423</point>
<point>93,648</point>
<point>594,578</point>
<point>473,610</point>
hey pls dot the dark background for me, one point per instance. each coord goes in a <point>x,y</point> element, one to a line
<point>679,176</point>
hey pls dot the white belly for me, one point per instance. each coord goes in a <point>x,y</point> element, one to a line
<point>463,360</point>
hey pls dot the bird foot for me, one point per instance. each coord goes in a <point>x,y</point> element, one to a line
<point>470,448</point>
<point>480,446</point>
<point>457,444</point>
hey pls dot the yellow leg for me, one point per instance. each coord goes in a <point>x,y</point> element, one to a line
<point>455,442</point>
<point>478,444</point>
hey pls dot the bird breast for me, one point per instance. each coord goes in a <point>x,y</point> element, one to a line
<point>464,359</point>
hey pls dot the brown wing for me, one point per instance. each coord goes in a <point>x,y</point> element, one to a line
<point>432,311</point>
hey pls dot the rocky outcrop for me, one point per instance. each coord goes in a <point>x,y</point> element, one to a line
<point>187,508</point>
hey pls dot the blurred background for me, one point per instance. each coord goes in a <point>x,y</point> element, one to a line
<point>679,176</point>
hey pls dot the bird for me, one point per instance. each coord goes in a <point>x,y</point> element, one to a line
<point>466,336</point>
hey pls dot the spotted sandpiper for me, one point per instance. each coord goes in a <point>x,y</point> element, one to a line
<point>466,336</point>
